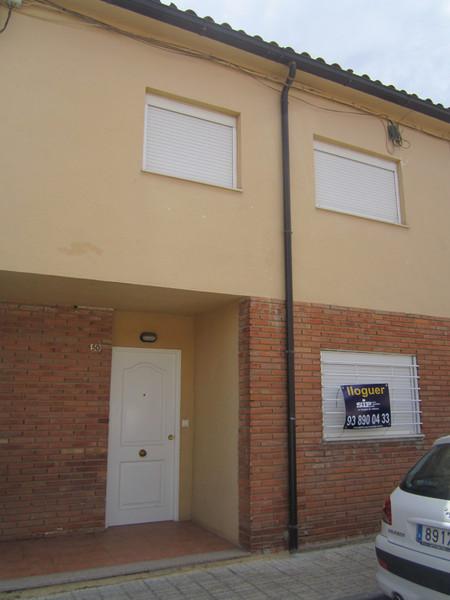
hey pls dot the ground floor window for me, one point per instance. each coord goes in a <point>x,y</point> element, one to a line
<point>369,395</point>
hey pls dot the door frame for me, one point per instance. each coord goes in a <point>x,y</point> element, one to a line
<point>176,459</point>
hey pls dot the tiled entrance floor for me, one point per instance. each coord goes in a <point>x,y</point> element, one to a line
<point>114,546</point>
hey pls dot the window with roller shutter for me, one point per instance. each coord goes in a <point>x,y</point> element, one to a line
<point>356,183</point>
<point>189,142</point>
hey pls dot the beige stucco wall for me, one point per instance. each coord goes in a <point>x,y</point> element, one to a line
<point>75,202</point>
<point>79,204</point>
<point>352,261</point>
<point>215,487</point>
<point>174,332</point>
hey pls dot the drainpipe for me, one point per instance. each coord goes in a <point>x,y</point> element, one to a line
<point>290,365</point>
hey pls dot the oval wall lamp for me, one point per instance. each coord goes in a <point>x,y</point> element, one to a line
<point>148,336</point>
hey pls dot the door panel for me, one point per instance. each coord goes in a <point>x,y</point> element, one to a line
<point>143,436</point>
<point>141,484</point>
<point>142,410</point>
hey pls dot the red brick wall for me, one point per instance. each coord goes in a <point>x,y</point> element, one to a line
<point>262,435</point>
<point>244,425</point>
<point>341,486</point>
<point>54,402</point>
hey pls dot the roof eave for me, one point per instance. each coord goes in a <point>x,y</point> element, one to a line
<point>242,41</point>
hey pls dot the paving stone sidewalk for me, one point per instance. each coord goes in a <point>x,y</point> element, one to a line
<point>346,572</point>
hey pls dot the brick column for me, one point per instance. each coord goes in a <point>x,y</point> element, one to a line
<point>54,403</point>
<point>262,434</point>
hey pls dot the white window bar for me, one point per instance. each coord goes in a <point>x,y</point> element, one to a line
<point>346,368</point>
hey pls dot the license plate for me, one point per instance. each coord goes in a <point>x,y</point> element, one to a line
<point>433,536</point>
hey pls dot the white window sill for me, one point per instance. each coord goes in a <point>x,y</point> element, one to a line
<point>377,440</point>
<point>366,218</point>
<point>194,181</point>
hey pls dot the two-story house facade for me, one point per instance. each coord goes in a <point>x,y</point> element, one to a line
<point>142,278</point>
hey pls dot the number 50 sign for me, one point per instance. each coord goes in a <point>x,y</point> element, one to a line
<point>366,405</point>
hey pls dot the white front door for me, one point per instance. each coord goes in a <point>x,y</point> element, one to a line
<point>142,484</point>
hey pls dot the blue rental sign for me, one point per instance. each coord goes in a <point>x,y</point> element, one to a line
<point>367,405</point>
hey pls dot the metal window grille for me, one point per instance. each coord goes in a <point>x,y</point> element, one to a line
<point>350,368</point>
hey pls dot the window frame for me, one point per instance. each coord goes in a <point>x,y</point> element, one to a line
<point>374,434</point>
<point>186,108</point>
<point>365,158</point>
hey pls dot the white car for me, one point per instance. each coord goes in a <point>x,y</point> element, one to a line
<point>413,548</point>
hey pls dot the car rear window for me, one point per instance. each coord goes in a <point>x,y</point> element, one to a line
<point>431,475</point>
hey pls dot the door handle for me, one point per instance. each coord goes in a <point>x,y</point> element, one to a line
<point>142,452</point>
<point>171,437</point>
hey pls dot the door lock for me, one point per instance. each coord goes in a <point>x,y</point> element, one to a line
<point>142,452</point>
<point>171,437</point>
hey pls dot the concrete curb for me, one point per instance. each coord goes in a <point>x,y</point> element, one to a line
<point>55,579</point>
<point>375,596</point>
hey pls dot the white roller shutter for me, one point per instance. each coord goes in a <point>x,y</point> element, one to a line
<point>399,371</point>
<point>189,142</point>
<point>356,183</point>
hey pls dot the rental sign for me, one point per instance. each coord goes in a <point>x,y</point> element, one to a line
<point>367,405</point>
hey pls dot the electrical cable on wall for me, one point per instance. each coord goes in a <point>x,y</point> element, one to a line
<point>395,135</point>
<point>10,4</point>
<point>8,16</point>
<point>394,138</point>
